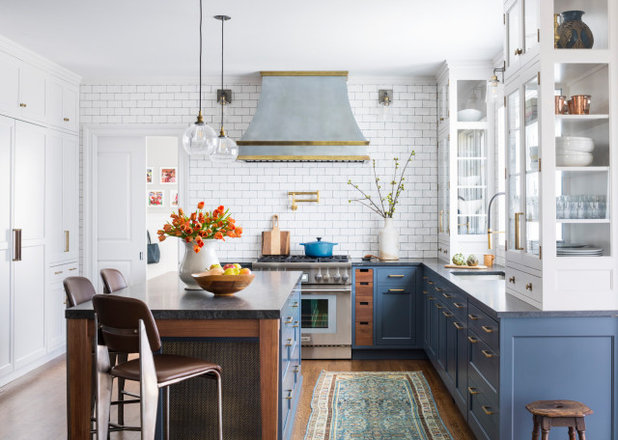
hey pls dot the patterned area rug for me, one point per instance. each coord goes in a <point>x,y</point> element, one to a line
<point>374,406</point>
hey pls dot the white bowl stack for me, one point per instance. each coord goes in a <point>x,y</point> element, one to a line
<point>574,151</point>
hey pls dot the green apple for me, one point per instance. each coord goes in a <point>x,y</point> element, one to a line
<point>213,266</point>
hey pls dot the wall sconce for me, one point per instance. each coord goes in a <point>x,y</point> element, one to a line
<point>293,194</point>
<point>385,97</point>
<point>494,82</point>
<point>225,94</point>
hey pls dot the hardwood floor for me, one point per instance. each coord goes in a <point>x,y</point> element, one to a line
<point>33,407</point>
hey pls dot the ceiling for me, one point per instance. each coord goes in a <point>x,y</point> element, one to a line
<point>123,39</point>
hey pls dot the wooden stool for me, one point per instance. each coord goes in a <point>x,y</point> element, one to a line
<point>548,413</point>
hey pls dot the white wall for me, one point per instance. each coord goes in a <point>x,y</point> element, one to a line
<point>255,191</point>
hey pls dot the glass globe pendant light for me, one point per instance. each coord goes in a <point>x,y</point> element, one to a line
<point>225,149</point>
<point>199,138</point>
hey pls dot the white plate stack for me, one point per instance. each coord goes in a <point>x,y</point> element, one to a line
<point>574,151</point>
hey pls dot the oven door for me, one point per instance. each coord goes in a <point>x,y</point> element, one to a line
<point>325,316</point>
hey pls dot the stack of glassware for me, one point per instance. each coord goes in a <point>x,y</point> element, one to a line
<point>581,207</point>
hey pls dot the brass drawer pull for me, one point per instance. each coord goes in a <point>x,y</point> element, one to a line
<point>295,324</point>
<point>289,320</point>
<point>519,51</point>
<point>512,279</point>
<point>472,340</point>
<point>65,119</point>
<point>425,278</point>
<point>295,305</point>
<point>487,329</point>
<point>289,396</point>
<point>429,282</point>
<point>458,326</point>
<point>58,272</point>
<point>473,317</point>
<point>297,369</point>
<point>396,276</point>
<point>487,410</point>
<point>289,343</point>
<point>439,307</point>
<point>472,391</point>
<point>529,287</point>
<point>21,104</point>
<point>458,305</point>
<point>431,298</point>
<point>396,290</point>
<point>447,296</point>
<point>425,292</point>
<point>447,314</point>
<point>438,289</point>
<point>72,268</point>
<point>488,354</point>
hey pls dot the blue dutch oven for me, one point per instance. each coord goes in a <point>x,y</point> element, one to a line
<point>319,248</point>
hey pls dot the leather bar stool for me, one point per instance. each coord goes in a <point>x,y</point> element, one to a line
<point>127,325</point>
<point>80,290</point>
<point>548,413</point>
<point>113,280</point>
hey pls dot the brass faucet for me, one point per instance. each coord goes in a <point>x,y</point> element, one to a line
<point>491,232</point>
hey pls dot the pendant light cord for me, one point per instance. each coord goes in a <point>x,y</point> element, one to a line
<point>200,87</point>
<point>222,91</point>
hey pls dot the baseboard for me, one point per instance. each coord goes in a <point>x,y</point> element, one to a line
<point>16,374</point>
<point>388,354</point>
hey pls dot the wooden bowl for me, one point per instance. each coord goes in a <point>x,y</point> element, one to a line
<point>223,285</point>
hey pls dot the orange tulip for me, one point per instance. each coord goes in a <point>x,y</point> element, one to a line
<point>231,234</point>
<point>219,236</point>
<point>188,239</point>
<point>200,205</point>
<point>180,211</point>
<point>238,230</point>
<point>221,208</point>
<point>194,216</point>
<point>167,227</point>
<point>196,249</point>
<point>162,237</point>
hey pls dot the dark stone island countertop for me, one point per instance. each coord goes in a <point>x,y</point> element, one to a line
<point>490,295</point>
<point>167,298</point>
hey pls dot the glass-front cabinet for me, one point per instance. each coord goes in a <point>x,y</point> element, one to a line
<point>562,155</point>
<point>464,159</point>
<point>521,20</point>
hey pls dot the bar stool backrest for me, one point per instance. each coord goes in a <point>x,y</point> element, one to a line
<point>118,319</point>
<point>113,280</point>
<point>78,289</point>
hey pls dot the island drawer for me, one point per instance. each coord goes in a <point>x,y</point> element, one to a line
<point>363,276</point>
<point>363,310</point>
<point>364,292</point>
<point>483,407</point>
<point>363,333</point>
<point>486,328</point>
<point>287,394</point>
<point>524,284</point>
<point>484,359</point>
<point>395,277</point>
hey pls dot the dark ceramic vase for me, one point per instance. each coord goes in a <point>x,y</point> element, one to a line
<point>573,32</point>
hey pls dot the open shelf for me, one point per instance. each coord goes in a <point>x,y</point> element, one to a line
<point>596,16</point>
<point>590,169</point>
<point>582,117</point>
<point>583,220</point>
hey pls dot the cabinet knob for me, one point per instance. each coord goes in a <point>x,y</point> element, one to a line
<point>512,280</point>
<point>65,119</point>
<point>22,105</point>
<point>442,119</point>
<point>289,396</point>
<point>519,51</point>
<point>529,287</point>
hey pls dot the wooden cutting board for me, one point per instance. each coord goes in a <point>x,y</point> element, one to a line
<point>454,266</point>
<point>275,241</point>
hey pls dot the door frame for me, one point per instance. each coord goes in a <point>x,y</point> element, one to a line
<point>89,186</point>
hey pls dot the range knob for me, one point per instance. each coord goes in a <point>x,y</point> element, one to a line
<point>318,276</point>
<point>337,276</point>
<point>344,276</point>
<point>326,276</point>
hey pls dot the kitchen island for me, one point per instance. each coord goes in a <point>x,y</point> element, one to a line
<point>254,335</point>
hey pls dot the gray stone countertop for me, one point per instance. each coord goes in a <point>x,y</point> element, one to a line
<point>490,295</point>
<point>165,295</point>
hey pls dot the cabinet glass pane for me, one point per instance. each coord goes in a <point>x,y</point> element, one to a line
<point>471,181</point>
<point>471,100</point>
<point>513,153</point>
<point>443,181</point>
<point>531,24</point>
<point>513,21</point>
<point>531,92</point>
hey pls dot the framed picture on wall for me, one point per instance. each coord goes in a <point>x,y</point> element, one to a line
<point>149,175</point>
<point>156,198</point>
<point>168,174</point>
<point>173,197</point>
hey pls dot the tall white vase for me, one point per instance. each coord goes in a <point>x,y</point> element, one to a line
<point>195,263</point>
<point>388,240</point>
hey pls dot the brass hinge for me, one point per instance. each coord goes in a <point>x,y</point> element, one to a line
<point>540,168</point>
<point>538,78</point>
<point>506,245</point>
<point>538,35</point>
<point>504,19</point>
<point>448,137</point>
<point>505,101</point>
<point>540,252</point>
<point>505,174</point>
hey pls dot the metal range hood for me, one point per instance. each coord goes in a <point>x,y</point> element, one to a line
<point>303,117</point>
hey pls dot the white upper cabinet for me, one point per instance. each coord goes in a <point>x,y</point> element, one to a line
<point>9,84</point>
<point>521,19</point>
<point>31,93</point>
<point>61,104</point>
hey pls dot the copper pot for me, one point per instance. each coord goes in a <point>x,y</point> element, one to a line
<point>579,105</point>
<point>560,104</point>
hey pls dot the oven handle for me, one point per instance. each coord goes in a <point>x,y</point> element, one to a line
<point>322,291</point>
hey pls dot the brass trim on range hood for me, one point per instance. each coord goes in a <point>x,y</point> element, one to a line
<point>301,143</point>
<point>298,158</point>
<point>304,73</point>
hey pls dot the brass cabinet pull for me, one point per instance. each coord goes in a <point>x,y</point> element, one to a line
<point>441,213</point>
<point>65,119</point>
<point>289,343</point>
<point>458,326</point>
<point>297,369</point>
<point>431,298</point>
<point>396,290</point>
<point>473,317</point>
<point>396,276</point>
<point>447,296</point>
<point>72,268</point>
<point>472,340</point>
<point>289,396</point>
<point>458,305</point>
<point>58,272</point>
<point>472,391</point>
<point>425,278</point>
<point>488,354</point>
<point>487,329</point>
<point>512,279</point>
<point>429,282</point>
<point>519,51</point>
<point>425,292</point>
<point>17,244</point>
<point>23,105</point>
<point>295,324</point>
<point>67,240</point>
<point>295,305</point>
<point>487,410</point>
<point>289,320</point>
<point>439,307</point>
<point>438,289</point>
<point>447,314</point>
<point>529,286</point>
<point>518,232</point>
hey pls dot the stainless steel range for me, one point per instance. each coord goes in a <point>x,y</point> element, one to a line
<point>326,331</point>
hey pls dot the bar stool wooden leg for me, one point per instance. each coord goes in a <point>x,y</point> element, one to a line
<point>545,427</point>
<point>536,430</point>
<point>219,404</point>
<point>571,433</point>
<point>580,425</point>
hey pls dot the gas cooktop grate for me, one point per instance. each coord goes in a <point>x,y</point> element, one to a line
<point>302,259</point>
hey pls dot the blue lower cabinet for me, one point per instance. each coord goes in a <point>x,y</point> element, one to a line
<point>461,386</point>
<point>451,347</point>
<point>290,375</point>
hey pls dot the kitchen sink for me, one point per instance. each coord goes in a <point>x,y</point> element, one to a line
<point>474,276</point>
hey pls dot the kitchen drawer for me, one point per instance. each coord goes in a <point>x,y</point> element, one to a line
<point>484,359</point>
<point>524,284</point>
<point>396,276</point>
<point>363,276</point>
<point>487,329</point>
<point>459,307</point>
<point>483,407</point>
<point>365,292</point>
<point>288,386</point>
<point>363,333</point>
<point>363,310</point>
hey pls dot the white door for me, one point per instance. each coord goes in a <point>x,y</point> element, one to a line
<point>121,206</point>
<point>29,271</point>
<point>7,134</point>
<point>53,198</point>
<point>70,197</point>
